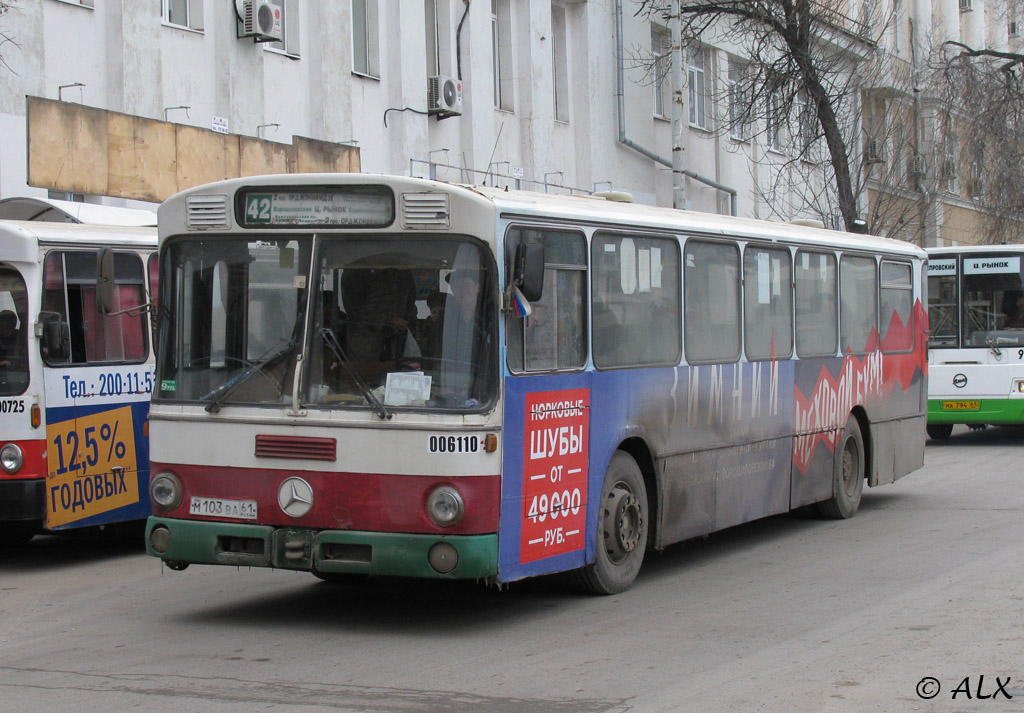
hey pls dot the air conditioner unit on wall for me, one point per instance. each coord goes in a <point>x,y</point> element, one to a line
<point>872,154</point>
<point>444,96</point>
<point>261,20</point>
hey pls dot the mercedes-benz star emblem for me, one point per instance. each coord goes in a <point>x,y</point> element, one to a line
<point>295,496</point>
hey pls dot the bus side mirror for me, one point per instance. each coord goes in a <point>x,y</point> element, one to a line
<point>528,273</point>
<point>105,282</point>
<point>56,340</point>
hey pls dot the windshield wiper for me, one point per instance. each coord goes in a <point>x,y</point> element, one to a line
<point>332,343</point>
<point>227,388</point>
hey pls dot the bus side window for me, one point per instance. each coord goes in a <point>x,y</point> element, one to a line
<point>69,299</point>
<point>767,303</point>
<point>897,303</point>
<point>554,336</point>
<point>711,280</point>
<point>635,314</point>
<point>816,333</point>
<point>858,303</point>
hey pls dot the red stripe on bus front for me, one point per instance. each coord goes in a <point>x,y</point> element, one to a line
<point>342,501</point>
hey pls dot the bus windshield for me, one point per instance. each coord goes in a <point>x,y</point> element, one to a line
<point>13,333</point>
<point>395,323</point>
<point>993,301</point>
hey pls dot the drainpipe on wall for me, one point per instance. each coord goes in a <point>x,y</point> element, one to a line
<point>678,132</point>
<point>620,96</point>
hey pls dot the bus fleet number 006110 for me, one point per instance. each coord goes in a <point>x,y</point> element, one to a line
<point>455,444</point>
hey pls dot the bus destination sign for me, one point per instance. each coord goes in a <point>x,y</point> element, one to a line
<point>334,207</point>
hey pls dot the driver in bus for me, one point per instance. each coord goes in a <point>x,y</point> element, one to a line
<point>1016,318</point>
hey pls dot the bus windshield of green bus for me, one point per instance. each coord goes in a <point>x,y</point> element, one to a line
<point>395,323</point>
<point>993,301</point>
<point>403,322</point>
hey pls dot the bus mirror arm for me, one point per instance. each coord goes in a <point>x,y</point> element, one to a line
<point>528,270</point>
<point>133,311</point>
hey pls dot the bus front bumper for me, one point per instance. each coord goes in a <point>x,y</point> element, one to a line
<point>183,542</point>
<point>22,499</point>
<point>996,412</point>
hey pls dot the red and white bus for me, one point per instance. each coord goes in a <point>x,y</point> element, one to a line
<point>383,375</point>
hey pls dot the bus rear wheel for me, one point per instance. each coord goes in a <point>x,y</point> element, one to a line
<point>623,522</point>
<point>848,483</point>
<point>939,431</point>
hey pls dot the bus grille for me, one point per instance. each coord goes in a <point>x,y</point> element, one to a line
<point>296,447</point>
<point>206,212</point>
<point>425,211</point>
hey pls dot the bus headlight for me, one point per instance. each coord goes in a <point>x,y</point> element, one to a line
<point>11,458</point>
<point>445,506</point>
<point>165,491</point>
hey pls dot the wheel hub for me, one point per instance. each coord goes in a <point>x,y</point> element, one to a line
<point>623,523</point>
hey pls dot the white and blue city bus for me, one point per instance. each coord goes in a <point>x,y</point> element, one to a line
<point>394,376</point>
<point>76,373</point>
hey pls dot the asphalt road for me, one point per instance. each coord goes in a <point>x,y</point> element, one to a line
<point>786,614</point>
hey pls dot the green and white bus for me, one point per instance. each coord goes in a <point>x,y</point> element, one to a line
<point>976,354</point>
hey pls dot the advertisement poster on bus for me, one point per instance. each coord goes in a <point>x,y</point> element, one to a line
<point>97,456</point>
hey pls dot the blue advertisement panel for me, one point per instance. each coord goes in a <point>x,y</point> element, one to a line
<point>97,452</point>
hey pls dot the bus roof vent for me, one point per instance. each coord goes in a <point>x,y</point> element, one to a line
<point>425,211</point>
<point>206,212</point>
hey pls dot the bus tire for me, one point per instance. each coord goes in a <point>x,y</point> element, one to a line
<point>939,431</point>
<point>848,475</point>
<point>623,524</point>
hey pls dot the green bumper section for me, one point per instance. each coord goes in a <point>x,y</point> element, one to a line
<point>181,542</point>
<point>997,412</point>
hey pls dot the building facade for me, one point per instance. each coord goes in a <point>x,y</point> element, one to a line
<point>563,95</point>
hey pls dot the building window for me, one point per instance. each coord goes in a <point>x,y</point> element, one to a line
<point>807,124</point>
<point>501,53</point>
<point>433,51</point>
<point>364,38</point>
<point>739,128</point>
<point>183,13</point>
<point>661,63</point>
<point>289,27</point>
<point>698,88</point>
<point>559,63</point>
<point>773,122</point>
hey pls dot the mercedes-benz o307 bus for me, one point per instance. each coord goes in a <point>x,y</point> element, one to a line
<point>381,375</point>
<point>976,355</point>
<point>76,372</point>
